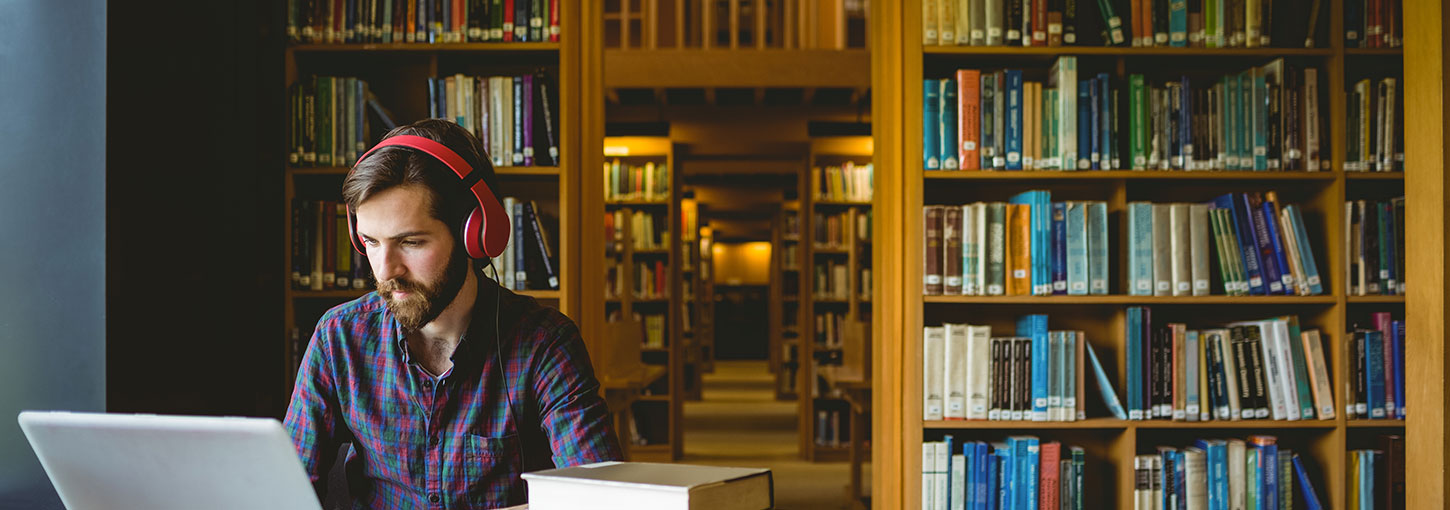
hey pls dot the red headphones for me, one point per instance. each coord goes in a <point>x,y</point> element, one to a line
<point>486,231</point>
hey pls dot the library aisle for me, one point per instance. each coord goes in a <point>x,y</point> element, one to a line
<point>738,422</point>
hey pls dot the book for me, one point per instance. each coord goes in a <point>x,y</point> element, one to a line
<point>648,485</point>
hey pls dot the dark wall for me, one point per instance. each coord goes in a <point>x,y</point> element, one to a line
<point>194,208</point>
<point>742,329</point>
<point>52,225</point>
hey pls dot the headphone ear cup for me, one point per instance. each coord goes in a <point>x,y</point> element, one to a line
<point>357,243</point>
<point>473,234</point>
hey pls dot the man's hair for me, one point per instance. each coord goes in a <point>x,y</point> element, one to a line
<point>394,166</point>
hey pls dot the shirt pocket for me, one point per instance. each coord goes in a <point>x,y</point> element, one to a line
<point>488,468</point>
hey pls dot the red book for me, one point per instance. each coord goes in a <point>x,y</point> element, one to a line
<point>554,20</point>
<point>1039,23</point>
<point>1373,27</point>
<point>1049,455</point>
<point>1136,9</point>
<point>660,278</point>
<point>969,115</point>
<point>508,20</point>
<point>1382,322</point>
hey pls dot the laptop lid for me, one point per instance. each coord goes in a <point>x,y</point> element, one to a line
<point>150,462</point>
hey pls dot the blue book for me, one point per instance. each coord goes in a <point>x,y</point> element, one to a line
<point>1140,249</point>
<point>1243,229</point>
<point>1178,23</point>
<point>1043,218</point>
<point>1397,330</point>
<point>989,122</point>
<point>931,137</point>
<point>1374,373</point>
<point>1180,472</point>
<point>1010,479</point>
<point>1264,246</point>
<point>1059,248</point>
<point>1216,471</point>
<point>1027,497</point>
<point>1035,327</point>
<point>1134,362</point>
<point>1014,119</point>
<point>1306,253</point>
<point>1306,489</point>
<point>948,477</point>
<point>1105,386</point>
<point>1097,221</point>
<point>1185,121</point>
<point>1268,479</point>
<point>1366,478</point>
<point>1000,480</point>
<point>1084,119</point>
<point>947,116</point>
<point>1093,151</point>
<point>1105,121</point>
<point>986,468</point>
<point>1076,239</point>
<point>1281,253</point>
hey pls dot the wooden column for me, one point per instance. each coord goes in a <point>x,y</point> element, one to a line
<point>1425,185</point>
<point>889,477</point>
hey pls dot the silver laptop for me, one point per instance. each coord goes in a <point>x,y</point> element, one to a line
<point>150,462</point>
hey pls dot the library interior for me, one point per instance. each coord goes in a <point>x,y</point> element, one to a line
<point>936,254</point>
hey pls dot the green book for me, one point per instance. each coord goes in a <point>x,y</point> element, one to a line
<point>1137,122</point>
<point>1301,374</point>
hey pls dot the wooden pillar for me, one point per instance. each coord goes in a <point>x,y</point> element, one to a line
<point>1425,185</point>
<point>888,329</point>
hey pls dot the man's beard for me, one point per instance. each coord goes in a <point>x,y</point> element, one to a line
<point>425,301</point>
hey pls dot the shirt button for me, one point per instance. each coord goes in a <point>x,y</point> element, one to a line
<point>434,498</point>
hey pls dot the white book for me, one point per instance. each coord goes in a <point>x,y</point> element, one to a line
<point>1191,397</point>
<point>979,369</point>
<point>943,484</point>
<point>1163,252</point>
<point>506,264</point>
<point>1178,242</point>
<point>1195,478</point>
<point>1273,389</point>
<point>964,26</point>
<point>980,216</point>
<point>1198,233</point>
<point>1237,491</point>
<point>631,485</point>
<point>932,354</point>
<point>1054,370</point>
<point>971,279</point>
<point>1288,380</point>
<point>928,476</point>
<point>959,482</point>
<point>1323,397</point>
<point>955,373</point>
<point>1070,363</point>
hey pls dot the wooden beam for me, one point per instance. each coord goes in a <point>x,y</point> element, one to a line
<point>679,23</point>
<point>724,68</point>
<point>1425,194</point>
<point>624,16</point>
<point>891,436</point>
<point>760,15</point>
<point>707,31</point>
<point>734,24</point>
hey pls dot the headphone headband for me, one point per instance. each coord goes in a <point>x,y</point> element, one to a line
<point>485,231</point>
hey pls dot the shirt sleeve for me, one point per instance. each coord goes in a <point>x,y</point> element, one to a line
<point>573,415</point>
<point>313,415</point>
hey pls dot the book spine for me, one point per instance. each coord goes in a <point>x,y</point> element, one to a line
<point>931,134</point>
<point>1138,122</point>
<point>951,259</point>
<point>1059,248</point>
<point>947,143</point>
<point>1140,262</point>
<point>1014,112</point>
<point>932,253</point>
<point>1097,225</point>
<point>968,115</point>
<point>1076,238</point>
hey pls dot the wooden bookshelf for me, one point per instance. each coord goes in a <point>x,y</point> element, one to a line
<point>668,407</point>
<point>397,74</point>
<point>903,187</point>
<point>785,309</point>
<point>833,151</point>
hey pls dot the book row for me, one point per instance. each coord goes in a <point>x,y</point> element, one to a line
<point>831,281</point>
<point>1376,388</point>
<point>997,248</point>
<point>1377,476</point>
<point>1204,23</point>
<point>836,231</point>
<point>650,280</point>
<point>1020,473</point>
<point>1266,118</point>
<point>1037,375</point>
<point>1261,248</point>
<point>846,183</point>
<point>1373,24</point>
<point>322,256</point>
<point>1215,474</point>
<point>831,428</point>
<point>1375,242</point>
<point>647,230</point>
<point>422,21</point>
<point>649,182</point>
<point>516,117</point>
<point>1257,369</point>
<point>330,123</point>
<point>1376,126</point>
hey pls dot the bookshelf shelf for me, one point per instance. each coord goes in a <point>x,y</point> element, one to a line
<point>1134,175</point>
<point>1132,300</point>
<point>1375,52</point>
<point>1371,424</point>
<point>1375,299</point>
<point>1374,176</point>
<point>1235,425</point>
<point>1090,423</point>
<point>541,171</point>
<point>1045,51</point>
<point>526,47</point>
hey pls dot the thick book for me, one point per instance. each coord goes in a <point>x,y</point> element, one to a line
<point>630,485</point>
<point>951,257</point>
<point>1140,249</point>
<point>933,378</point>
<point>947,132</point>
<point>968,118</point>
<point>932,252</point>
<point>1013,118</point>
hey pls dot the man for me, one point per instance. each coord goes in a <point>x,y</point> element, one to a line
<point>440,413</point>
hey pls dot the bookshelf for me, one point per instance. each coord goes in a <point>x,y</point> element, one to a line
<point>903,187</point>
<point>785,299</point>
<point>397,74</point>
<point>704,303</point>
<point>642,252</point>
<point>695,299</point>
<point>831,242</point>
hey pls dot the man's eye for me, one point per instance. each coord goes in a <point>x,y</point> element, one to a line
<point>411,242</point>
<point>370,242</point>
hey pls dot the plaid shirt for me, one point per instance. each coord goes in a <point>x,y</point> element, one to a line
<point>420,441</point>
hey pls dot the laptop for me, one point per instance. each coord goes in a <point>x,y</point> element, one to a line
<point>150,462</point>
